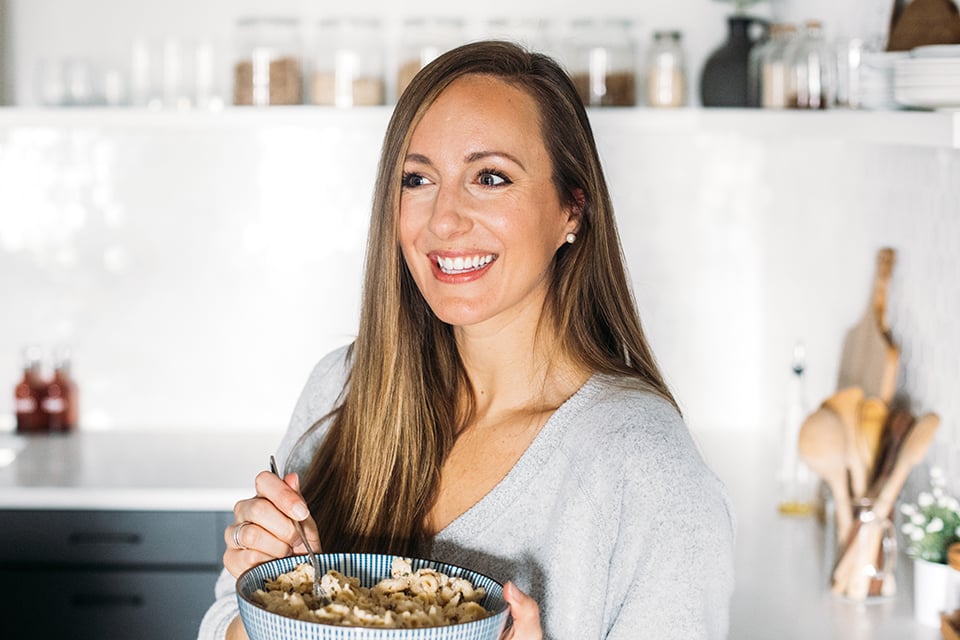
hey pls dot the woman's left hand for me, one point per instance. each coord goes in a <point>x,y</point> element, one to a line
<point>525,613</point>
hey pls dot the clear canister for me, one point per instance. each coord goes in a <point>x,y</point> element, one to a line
<point>268,66</point>
<point>347,63</point>
<point>666,70</point>
<point>422,40</point>
<point>602,62</point>
<point>812,69</point>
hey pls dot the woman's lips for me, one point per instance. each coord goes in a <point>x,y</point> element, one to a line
<point>461,268</point>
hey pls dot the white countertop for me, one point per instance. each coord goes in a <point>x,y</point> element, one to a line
<point>176,471</point>
<point>782,570</point>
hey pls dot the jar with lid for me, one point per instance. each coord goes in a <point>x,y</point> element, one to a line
<point>268,66</point>
<point>602,62</point>
<point>347,64</point>
<point>768,74</point>
<point>812,69</point>
<point>421,40</point>
<point>666,70</point>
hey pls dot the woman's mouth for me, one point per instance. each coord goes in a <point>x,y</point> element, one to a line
<point>464,264</point>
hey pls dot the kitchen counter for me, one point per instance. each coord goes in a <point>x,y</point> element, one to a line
<point>782,570</point>
<point>783,566</point>
<point>132,470</point>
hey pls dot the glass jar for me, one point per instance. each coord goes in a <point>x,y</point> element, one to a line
<point>767,77</point>
<point>602,62</point>
<point>268,67</point>
<point>811,69</point>
<point>666,70</point>
<point>347,67</point>
<point>866,569</point>
<point>421,41</point>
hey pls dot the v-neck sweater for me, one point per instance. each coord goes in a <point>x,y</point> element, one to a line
<point>610,519</point>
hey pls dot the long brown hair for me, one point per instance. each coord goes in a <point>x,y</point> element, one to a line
<point>374,478</point>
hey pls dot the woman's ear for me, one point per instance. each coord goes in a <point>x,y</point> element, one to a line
<point>578,201</point>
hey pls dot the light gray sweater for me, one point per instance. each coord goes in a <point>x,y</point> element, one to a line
<point>610,519</point>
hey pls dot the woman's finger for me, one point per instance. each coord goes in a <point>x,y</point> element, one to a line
<point>280,493</point>
<point>309,525</point>
<point>525,613</point>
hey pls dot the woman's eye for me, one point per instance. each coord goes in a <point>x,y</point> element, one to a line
<point>493,179</point>
<point>412,180</point>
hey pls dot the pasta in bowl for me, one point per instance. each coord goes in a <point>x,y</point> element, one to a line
<point>373,597</point>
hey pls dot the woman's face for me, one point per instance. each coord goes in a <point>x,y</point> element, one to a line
<point>480,218</point>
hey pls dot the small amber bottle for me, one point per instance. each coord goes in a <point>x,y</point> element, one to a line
<point>29,394</point>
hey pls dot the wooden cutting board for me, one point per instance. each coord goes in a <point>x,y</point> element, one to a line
<point>870,359</point>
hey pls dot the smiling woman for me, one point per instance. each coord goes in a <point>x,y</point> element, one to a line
<point>500,408</point>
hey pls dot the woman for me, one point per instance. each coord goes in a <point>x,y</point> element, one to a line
<point>500,408</point>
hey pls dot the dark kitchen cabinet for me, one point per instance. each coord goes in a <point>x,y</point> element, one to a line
<point>108,574</point>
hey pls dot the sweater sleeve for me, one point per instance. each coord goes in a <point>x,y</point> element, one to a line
<point>682,579</point>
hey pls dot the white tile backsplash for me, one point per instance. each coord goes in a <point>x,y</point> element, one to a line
<point>200,271</point>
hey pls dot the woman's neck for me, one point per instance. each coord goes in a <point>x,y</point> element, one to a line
<point>520,368</point>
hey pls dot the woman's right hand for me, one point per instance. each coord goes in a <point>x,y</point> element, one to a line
<point>263,527</point>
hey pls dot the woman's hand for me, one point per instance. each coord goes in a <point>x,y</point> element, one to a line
<point>263,529</point>
<point>525,613</point>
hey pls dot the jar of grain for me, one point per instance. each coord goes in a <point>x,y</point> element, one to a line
<point>347,63</point>
<point>666,71</point>
<point>421,40</point>
<point>602,62</point>
<point>267,71</point>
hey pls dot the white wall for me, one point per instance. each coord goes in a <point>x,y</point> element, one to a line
<point>199,272</point>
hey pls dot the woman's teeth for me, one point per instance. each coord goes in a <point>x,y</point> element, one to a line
<point>462,264</point>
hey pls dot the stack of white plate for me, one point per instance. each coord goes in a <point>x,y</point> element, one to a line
<point>875,80</point>
<point>929,78</point>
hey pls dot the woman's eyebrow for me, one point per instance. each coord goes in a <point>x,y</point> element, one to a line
<point>418,158</point>
<point>480,155</point>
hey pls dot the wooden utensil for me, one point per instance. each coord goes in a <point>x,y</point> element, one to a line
<point>821,445</point>
<point>873,416</point>
<point>846,577</point>
<point>846,405</point>
<point>870,359</point>
<point>899,423</point>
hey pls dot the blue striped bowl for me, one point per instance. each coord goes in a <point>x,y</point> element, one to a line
<point>369,568</point>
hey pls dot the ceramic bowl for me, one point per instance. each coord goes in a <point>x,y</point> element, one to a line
<point>370,569</point>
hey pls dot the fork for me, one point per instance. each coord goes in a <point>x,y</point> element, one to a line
<point>318,591</point>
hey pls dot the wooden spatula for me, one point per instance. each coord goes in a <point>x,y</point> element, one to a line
<point>870,359</point>
<point>846,405</point>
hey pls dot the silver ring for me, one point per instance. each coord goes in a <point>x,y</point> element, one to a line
<point>236,536</point>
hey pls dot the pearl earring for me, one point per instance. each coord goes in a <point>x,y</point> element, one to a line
<point>571,238</point>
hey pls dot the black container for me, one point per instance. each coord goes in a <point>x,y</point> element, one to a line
<point>724,79</point>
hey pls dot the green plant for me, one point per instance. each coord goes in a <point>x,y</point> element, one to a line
<point>933,523</point>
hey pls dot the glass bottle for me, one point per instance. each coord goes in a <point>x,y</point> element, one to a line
<point>666,70</point>
<point>812,68</point>
<point>768,79</point>
<point>268,68</point>
<point>421,41</point>
<point>64,387</point>
<point>29,394</point>
<point>348,63</point>
<point>602,62</point>
<point>796,483</point>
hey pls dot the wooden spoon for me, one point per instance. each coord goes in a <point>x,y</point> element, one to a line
<point>846,405</point>
<point>847,579</point>
<point>899,423</point>
<point>873,416</point>
<point>821,445</point>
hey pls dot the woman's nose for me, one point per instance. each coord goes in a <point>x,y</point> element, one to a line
<point>450,215</point>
